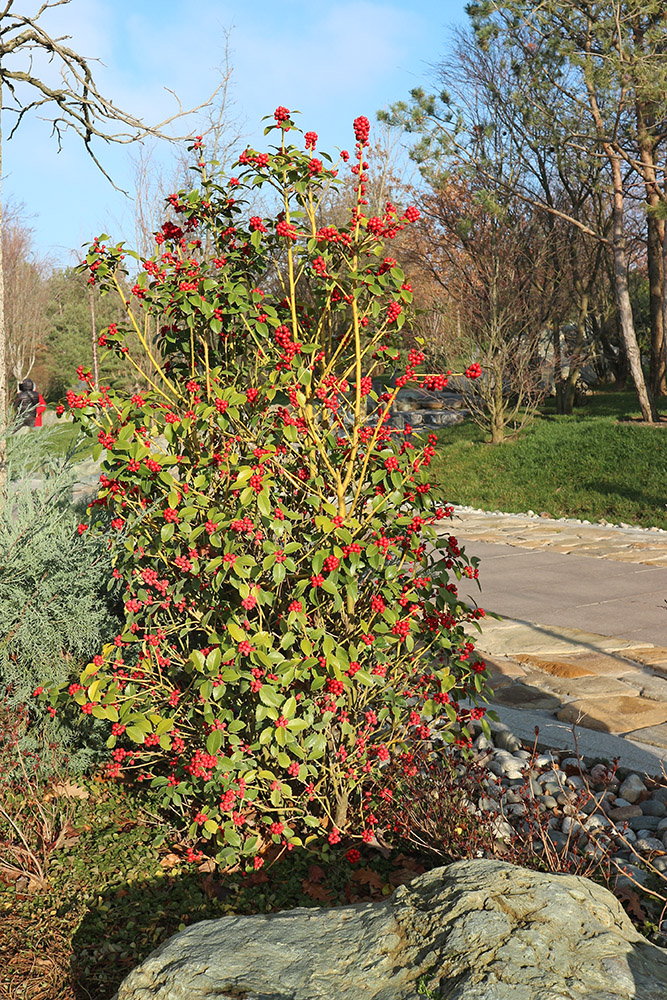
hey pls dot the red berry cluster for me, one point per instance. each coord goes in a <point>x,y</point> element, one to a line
<point>362,129</point>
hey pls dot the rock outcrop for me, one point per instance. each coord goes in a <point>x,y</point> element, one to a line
<point>475,930</point>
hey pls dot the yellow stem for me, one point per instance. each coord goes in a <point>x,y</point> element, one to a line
<point>145,345</point>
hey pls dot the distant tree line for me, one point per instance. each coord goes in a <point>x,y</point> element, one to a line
<point>544,193</point>
<point>53,318</point>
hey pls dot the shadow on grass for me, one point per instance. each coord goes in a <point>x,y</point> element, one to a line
<point>126,923</point>
<point>129,921</point>
<point>646,502</point>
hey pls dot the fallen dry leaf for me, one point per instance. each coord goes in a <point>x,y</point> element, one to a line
<point>350,895</point>
<point>316,874</point>
<point>170,861</point>
<point>27,884</point>
<point>67,790</point>
<point>67,837</point>
<point>209,885</point>
<point>401,876</point>
<point>406,861</point>
<point>630,897</point>
<point>368,877</point>
<point>316,892</point>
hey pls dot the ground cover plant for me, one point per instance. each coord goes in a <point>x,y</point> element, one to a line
<point>108,896</point>
<point>599,463</point>
<point>288,632</point>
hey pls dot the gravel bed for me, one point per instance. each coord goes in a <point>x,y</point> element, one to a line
<point>580,802</point>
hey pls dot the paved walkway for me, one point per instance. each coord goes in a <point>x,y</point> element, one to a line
<point>584,632</point>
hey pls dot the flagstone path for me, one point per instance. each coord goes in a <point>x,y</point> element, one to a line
<point>583,635</point>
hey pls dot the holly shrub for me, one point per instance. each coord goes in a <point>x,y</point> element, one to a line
<point>290,624</point>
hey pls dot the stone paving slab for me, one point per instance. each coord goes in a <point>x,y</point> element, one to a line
<point>513,637</point>
<point>588,664</point>
<point>652,656</point>
<point>577,591</point>
<point>583,641</point>
<point>622,544</point>
<point>587,687</point>
<point>653,735</point>
<point>525,696</point>
<point>618,714</point>
<point>654,688</point>
<point>588,681</point>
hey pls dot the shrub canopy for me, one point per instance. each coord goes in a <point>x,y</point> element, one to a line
<point>290,621</point>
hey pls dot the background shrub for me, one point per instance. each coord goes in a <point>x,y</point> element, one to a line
<point>55,605</point>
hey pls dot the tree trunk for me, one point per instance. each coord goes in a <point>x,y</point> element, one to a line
<point>340,817</point>
<point>558,368</point>
<point>497,421</point>
<point>575,363</point>
<point>655,245</point>
<point>620,261</point>
<point>622,370</point>
<point>655,240</point>
<point>4,408</point>
<point>661,361</point>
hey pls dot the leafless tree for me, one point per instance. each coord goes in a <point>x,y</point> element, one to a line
<point>153,182</point>
<point>74,104</point>
<point>25,298</point>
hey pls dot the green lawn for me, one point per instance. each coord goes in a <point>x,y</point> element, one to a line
<point>587,465</point>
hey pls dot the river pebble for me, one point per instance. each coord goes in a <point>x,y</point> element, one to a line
<point>632,788</point>
<point>592,809</point>
<point>649,844</point>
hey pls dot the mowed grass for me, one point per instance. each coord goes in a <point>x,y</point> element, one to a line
<point>592,465</point>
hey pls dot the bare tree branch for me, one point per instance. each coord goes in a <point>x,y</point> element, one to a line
<point>77,105</point>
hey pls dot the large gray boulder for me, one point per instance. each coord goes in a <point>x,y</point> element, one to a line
<point>475,930</point>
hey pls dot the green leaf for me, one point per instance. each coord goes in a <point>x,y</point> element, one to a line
<point>135,734</point>
<point>232,835</point>
<point>264,502</point>
<point>236,631</point>
<point>167,532</point>
<point>269,696</point>
<point>214,741</point>
<point>317,745</point>
<point>213,660</point>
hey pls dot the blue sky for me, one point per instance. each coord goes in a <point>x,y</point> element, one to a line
<point>332,60</point>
